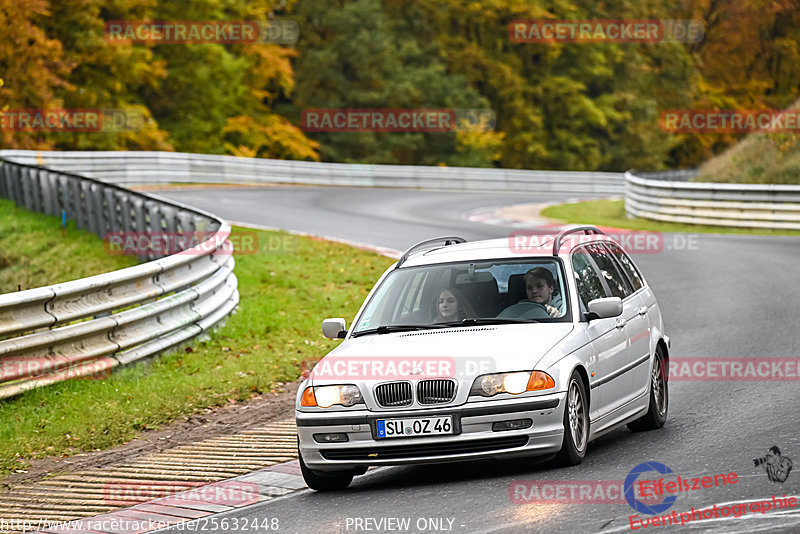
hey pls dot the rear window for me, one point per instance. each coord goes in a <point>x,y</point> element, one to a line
<point>617,282</point>
<point>627,265</point>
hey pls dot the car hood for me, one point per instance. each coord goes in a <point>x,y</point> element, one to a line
<point>462,353</point>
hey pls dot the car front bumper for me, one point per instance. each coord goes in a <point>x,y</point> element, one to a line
<point>476,438</point>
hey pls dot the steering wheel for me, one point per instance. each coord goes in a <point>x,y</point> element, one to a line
<point>525,310</point>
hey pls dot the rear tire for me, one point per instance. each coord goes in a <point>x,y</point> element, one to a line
<point>324,480</point>
<point>656,415</point>
<point>576,424</point>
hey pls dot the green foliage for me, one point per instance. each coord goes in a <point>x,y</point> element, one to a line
<point>590,106</point>
<point>363,55</point>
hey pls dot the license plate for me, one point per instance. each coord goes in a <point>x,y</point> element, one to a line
<point>421,426</point>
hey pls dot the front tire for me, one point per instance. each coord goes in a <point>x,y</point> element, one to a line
<point>656,415</point>
<point>322,480</point>
<point>576,424</point>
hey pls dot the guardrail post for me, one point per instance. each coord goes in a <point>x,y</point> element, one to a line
<point>113,210</point>
<point>27,186</point>
<point>125,211</point>
<point>50,193</point>
<point>153,224</point>
<point>3,173</point>
<point>37,193</point>
<point>80,194</point>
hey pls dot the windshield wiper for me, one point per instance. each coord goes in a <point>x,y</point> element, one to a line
<point>389,328</point>
<point>473,321</point>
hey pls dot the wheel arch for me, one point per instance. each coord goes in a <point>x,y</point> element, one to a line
<point>665,350</point>
<point>581,370</point>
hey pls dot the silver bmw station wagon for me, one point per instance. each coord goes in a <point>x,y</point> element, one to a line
<point>475,350</point>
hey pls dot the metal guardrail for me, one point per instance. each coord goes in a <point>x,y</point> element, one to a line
<point>668,197</point>
<point>92,325</point>
<point>166,167</point>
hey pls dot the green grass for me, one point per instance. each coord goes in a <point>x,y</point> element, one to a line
<point>612,213</point>
<point>285,294</point>
<point>759,158</point>
<point>34,253</point>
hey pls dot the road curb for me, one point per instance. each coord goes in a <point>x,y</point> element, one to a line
<point>146,480</point>
<point>201,502</point>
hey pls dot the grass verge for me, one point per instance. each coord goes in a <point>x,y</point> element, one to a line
<point>759,158</point>
<point>612,213</point>
<point>287,287</point>
<point>34,251</point>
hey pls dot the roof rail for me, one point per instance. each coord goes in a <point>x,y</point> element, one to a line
<point>448,240</point>
<point>571,230</point>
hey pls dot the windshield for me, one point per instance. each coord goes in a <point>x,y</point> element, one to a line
<point>468,293</point>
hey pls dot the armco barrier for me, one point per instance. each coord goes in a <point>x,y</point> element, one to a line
<point>91,325</point>
<point>166,167</point>
<point>669,197</point>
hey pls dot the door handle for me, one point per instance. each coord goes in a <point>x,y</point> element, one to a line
<point>643,310</point>
<point>620,323</point>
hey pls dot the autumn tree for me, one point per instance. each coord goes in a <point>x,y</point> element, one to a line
<point>34,69</point>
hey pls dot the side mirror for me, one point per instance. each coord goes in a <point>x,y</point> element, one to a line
<point>604,308</point>
<point>335,328</point>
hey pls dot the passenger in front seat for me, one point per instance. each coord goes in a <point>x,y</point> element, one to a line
<point>451,305</point>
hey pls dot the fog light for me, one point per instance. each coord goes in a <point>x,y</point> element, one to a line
<point>515,424</point>
<point>330,438</point>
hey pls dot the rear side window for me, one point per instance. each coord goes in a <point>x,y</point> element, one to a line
<point>618,284</point>
<point>590,286</point>
<point>627,265</point>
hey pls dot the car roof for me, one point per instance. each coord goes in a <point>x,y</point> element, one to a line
<point>518,245</point>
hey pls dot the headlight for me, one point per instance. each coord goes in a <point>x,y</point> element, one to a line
<point>327,396</point>
<point>513,383</point>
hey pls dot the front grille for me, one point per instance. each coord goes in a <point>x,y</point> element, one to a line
<point>428,449</point>
<point>393,394</point>
<point>435,391</point>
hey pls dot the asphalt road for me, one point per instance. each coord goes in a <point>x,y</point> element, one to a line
<point>721,296</point>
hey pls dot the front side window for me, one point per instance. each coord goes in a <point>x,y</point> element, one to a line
<point>480,291</point>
